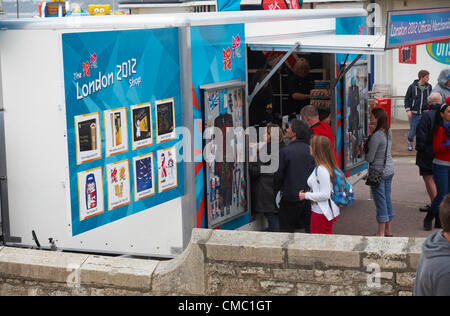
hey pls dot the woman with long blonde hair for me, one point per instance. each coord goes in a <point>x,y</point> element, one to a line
<point>324,210</point>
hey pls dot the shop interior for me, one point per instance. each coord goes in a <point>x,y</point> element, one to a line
<point>274,102</point>
<point>279,88</point>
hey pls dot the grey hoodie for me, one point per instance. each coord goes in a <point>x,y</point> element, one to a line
<point>441,88</point>
<point>433,272</point>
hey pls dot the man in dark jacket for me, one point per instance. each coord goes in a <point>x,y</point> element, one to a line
<point>433,272</point>
<point>296,165</point>
<point>264,182</point>
<point>424,146</point>
<point>416,103</point>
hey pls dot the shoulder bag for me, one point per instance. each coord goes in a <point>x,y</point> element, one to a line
<point>374,176</point>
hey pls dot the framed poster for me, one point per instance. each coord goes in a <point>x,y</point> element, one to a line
<point>118,179</point>
<point>165,120</point>
<point>90,193</point>
<point>141,125</point>
<point>226,171</point>
<point>116,131</point>
<point>87,136</point>
<point>167,169</point>
<point>355,113</point>
<point>143,176</point>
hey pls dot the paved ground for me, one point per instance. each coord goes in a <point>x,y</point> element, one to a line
<point>408,194</point>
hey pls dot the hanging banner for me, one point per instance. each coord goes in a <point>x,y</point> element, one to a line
<point>116,86</point>
<point>415,27</point>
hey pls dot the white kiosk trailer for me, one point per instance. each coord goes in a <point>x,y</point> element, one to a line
<point>102,121</point>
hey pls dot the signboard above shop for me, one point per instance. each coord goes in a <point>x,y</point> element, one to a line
<point>415,27</point>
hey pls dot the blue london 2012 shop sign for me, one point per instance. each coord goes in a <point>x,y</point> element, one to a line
<point>414,27</point>
<point>123,105</point>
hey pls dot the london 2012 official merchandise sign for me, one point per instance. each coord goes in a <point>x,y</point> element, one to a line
<point>415,27</point>
<point>123,104</point>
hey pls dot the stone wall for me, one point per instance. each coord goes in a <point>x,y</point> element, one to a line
<point>218,262</point>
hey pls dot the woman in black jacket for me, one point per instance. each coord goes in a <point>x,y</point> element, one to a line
<point>264,183</point>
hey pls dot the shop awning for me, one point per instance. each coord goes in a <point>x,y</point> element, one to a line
<point>320,43</point>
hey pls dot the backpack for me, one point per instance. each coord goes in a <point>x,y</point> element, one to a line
<point>342,191</point>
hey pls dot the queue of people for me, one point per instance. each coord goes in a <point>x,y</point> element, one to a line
<point>429,113</point>
<point>298,194</point>
<point>430,124</point>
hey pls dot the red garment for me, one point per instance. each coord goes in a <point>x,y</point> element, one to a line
<point>321,225</point>
<point>441,151</point>
<point>325,130</point>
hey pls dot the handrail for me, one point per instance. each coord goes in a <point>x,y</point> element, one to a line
<point>176,19</point>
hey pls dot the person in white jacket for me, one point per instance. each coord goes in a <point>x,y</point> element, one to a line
<point>324,210</point>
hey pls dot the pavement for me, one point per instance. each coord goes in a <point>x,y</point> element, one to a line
<point>408,195</point>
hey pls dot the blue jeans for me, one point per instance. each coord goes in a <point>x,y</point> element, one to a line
<point>382,198</point>
<point>441,176</point>
<point>413,122</point>
<point>274,223</point>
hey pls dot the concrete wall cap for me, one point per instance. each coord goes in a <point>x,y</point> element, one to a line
<point>36,264</point>
<point>118,272</point>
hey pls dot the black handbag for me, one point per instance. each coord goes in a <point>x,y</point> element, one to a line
<point>374,176</point>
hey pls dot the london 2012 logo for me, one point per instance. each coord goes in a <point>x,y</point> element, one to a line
<point>94,77</point>
<point>231,53</point>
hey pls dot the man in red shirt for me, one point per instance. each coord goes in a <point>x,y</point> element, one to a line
<point>310,115</point>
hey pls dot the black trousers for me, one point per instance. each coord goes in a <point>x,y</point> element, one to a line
<point>294,215</point>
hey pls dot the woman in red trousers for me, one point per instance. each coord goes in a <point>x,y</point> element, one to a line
<point>324,210</point>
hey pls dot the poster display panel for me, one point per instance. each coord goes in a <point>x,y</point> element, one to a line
<point>114,81</point>
<point>226,177</point>
<point>218,55</point>
<point>355,111</point>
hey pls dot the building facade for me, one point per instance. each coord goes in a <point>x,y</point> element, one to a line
<point>391,70</point>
